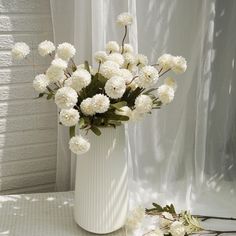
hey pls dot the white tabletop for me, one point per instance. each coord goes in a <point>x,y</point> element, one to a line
<point>44,214</point>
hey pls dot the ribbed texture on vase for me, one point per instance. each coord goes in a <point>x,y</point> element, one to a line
<point>101,196</point>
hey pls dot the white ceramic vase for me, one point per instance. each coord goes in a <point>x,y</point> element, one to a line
<point>101,193</point>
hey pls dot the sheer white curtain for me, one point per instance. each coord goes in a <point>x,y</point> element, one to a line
<point>186,152</point>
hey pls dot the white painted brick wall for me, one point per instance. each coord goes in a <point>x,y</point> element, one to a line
<point>28,127</point>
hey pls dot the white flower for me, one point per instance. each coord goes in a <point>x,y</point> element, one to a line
<point>40,83</point>
<point>171,82</point>
<point>45,48</point>
<point>126,75</point>
<point>148,76</point>
<point>135,218</point>
<point>101,103</point>
<point>87,107</point>
<point>65,51</point>
<point>124,111</point>
<point>79,145</point>
<point>115,87</point>
<point>100,56</point>
<point>20,50</point>
<point>156,232</point>
<point>179,65</point>
<point>109,69</point>
<point>59,63</point>
<point>116,57</point>
<point>165,61</point>
<point>165,93</point>
<point>112,46</point>
<point>177,229</point>
<point>166,220</point>
<point>124,19</point>
<point>143,103</point>
<point>80,79</point>
<point>69,117</point>
<point>141,60</point>
<point>127,48</point>
<point>54,74</point>
<point>66,98</point>
<point>129,59</point>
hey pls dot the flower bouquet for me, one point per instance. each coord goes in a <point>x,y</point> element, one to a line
<point>119,88</point>
<point>116,90</point>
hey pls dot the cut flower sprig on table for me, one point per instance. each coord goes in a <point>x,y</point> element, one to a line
<point>166,221</point>
<point>121,86</point>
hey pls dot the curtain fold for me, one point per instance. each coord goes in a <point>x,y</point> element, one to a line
<point>186,152</point>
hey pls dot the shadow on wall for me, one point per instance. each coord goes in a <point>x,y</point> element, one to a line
<point>27,126</point>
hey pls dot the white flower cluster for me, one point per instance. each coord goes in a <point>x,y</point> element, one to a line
<point>80,79</point>
<point>46,48</point>
<point>20,50</point>
<point>165,93</point>
<point>148,76</point>
<point>109,69</point>
<point>124,19</point>
<point>140,224</point>
<point>115,87</point>
<point>99,103</point>
<point>69,117</point>
<point>65,51</point>
<point>59,64</point>
<point>177,229</point>
<point>54,74</point>
<point>40,83</point>
<point>100,56</point>
<point>66,98</point>
<point>143,104</point>
<point>176,63</point>
<point>79,145</point>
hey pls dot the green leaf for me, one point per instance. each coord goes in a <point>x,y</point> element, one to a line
<point>96,130</point>
<point>150,210</point>
<point>86,65</point>
<point>49,96</point>
<point>117,117</point>
<point>95,87</point>
<point>157,207</point>
<point>130,96</point>
<point>172,208</point>
<point>101,78</point>
<point>74,68</point>
<point>81,122</point>
<point>115,122</point>
<point>40,95</point>
<point>118,105</point>
<point>72,131</point>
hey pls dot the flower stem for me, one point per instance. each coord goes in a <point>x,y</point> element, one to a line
<point>155,64</point>
<point>99,66</point>
<point>204,218</point>
<point>123,40</point>
<point>213,232</point>
<point>164,72</point>
<point>132,80</point>
<point>73,62</point>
